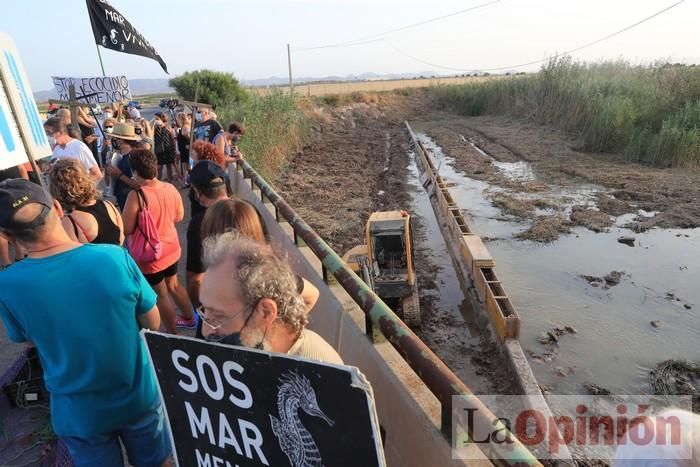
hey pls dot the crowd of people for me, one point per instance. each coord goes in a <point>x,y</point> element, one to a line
<point>96,259</point>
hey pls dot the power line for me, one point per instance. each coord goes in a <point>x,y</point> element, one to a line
<point>378,37</point>
<point>597,41</point>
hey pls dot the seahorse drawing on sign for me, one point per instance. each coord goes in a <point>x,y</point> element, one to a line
<point>295,441</point>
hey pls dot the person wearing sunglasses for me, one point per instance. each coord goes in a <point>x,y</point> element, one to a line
<point>124,140</point>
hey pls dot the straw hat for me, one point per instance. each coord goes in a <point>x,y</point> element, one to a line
<point>125,131</point>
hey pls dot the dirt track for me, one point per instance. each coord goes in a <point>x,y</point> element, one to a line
<point>334,183</point>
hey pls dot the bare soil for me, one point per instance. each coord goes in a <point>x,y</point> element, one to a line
<point>355,163</point>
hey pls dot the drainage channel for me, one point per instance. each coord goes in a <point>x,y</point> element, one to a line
<point>450,324</point>
<point>616,344</point>
<point>462,256</point>
<point>487,305</point>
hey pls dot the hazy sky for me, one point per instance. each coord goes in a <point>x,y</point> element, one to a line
<point>249,38</point>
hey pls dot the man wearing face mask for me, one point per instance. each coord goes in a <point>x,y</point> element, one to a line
<point>106,142</point>
<point>249,298</point>
<point>209,185</point>
<point>65,146</point>
<point>206,127</point>
<point>124,140</point>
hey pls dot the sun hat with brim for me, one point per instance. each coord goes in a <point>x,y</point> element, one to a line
<point>125,131</point>
<point>14,195</point>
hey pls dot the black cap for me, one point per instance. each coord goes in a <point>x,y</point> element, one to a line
<point>14,195</point>
<point>207,174</point>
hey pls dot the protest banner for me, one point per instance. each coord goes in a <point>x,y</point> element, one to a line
<point>22,136</point>
<point>231,406</point>
<point>99,90</point>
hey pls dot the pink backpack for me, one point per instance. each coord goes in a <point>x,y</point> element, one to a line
<point>144,242</point>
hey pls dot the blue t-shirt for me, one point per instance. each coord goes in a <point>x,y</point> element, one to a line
<point>79,308</point>
<point>121,189</point>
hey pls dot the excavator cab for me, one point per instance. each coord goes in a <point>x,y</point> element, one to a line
<point>386,262</point>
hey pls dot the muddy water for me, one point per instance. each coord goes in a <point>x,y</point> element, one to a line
<point>615,345</point>
<point>451,326</point>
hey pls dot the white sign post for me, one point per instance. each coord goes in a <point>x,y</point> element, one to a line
<point>22,136</point>
<point>99,90</point>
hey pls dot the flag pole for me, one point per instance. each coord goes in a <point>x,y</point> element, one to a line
<point>99,55</point>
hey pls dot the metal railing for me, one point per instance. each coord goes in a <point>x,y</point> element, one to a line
<point>437,377</point>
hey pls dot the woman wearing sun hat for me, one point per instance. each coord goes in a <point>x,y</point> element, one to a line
<point>124,140</point>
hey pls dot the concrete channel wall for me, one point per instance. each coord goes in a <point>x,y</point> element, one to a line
<point>488,295</point>
<point>408,412</point>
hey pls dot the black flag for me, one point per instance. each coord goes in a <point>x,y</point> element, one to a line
<point>113,31</point>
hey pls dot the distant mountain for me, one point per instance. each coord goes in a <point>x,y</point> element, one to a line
<point>140,87</point>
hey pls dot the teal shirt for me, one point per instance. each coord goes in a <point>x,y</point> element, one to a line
<point>79,308</point>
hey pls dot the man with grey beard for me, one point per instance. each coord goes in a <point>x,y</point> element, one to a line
<point>249,298</point>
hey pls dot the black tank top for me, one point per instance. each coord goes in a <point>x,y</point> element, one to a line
<point>183,145</point>
<point>107,230</point>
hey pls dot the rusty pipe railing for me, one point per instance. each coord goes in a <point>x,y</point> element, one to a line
<point>438,378</point>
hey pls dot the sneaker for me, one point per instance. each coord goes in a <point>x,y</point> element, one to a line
<point>180,322</point>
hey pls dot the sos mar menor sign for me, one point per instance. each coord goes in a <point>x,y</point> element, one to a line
<point>230,406</point>
<point>100,90</point>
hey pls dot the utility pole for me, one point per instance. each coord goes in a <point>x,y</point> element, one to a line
<point>289,63</point>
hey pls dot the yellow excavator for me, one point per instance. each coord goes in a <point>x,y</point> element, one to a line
<point>385,263</point>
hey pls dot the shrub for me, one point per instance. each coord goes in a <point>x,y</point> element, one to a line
<point>215,87</point>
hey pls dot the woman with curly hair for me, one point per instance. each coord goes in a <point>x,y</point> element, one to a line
<point>206,151</point>
<point>88,218</point>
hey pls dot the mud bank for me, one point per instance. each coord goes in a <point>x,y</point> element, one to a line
<point>493,148</point>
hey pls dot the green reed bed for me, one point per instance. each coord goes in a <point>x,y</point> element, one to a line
<point>649,113</point>
<point>275,128</point>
